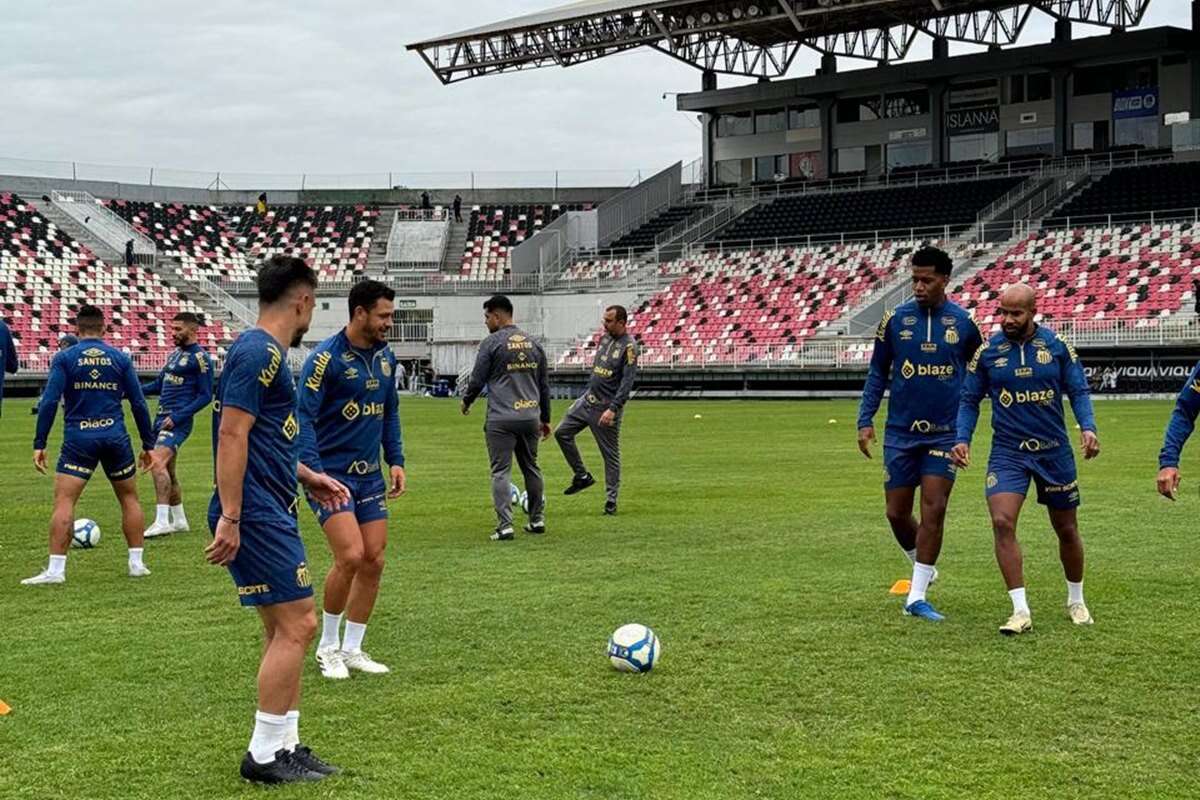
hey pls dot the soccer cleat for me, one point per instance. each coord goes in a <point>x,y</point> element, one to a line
<point>1079,614</point>
<point>502,534</point>
<point>284,769</point>
<point>309,760</point>
<point>138,571</point>
<point>159,529</point>
<point>610,508</point>
<point>537,528</point>
<point>361,662</point>
<point>922,609</point>
<point>180,527</point>
<point>42,578</point>
<point>579,483</point>
<point>331,663</point>
<point>1019,622</point>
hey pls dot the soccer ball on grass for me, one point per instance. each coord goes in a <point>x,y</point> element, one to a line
<point>633,648</point>
<point>86,534</point>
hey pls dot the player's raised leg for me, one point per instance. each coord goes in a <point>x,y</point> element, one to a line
<point>572,424</point>
<point>1005,510</point>
<point>1070,551</point>
<point>364,589</point>
<point>67,490</point>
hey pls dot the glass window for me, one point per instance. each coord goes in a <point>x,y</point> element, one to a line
<point>1030,139</point>
<point>767,168</point>
<point>906,104</point>
<point>770,121</point>
<point>1136,130</point>
<point>1115,77</point>
<point>908,154</point>
<point>858,109</point>
<point>975,147</point>
<point>1039,87</point>
<point>804,117</point>
<point>852,159</point>
<point>729,173</point>
<point>1016,89</point>
<point>735,124</point>
<point>1082,136</point>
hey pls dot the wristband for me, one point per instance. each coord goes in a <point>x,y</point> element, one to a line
<point>231,520</point>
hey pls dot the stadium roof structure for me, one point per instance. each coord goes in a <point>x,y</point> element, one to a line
<point>754,38</point>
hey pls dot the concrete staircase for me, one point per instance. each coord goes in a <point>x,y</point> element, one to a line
<point>79,233</point>
<point>379,241</point>
<point>456,245</point>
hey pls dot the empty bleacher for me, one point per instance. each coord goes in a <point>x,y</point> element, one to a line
<point>334,240</point>
<point>199,236</point>
<point>644,237</point>
<point>1129,190</point>
<point>494,230</point>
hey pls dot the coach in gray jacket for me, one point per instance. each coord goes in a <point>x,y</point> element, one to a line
<point>513,367</point>
<point>602,406</point>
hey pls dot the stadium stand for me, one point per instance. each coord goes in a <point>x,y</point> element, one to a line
<point>596,270</point>
<point>1126,190</point>
<point>45,275</point>
<point>754,301</point>
<point>643,238</point>
<point>494,230</point>
<point>335,240</point>
<point>198,236</point>
<point>955,205</point>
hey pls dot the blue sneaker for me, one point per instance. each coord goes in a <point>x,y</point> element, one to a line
<point>922,609</point>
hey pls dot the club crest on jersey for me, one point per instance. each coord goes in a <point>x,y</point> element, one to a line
<point>1044,357</point>
<point>386,368</point>
<point>951,336</point>
<point>183,360</point>
<point>992,480</point>
<point>303,577</point>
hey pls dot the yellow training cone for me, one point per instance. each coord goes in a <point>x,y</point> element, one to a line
<point>900,587</point>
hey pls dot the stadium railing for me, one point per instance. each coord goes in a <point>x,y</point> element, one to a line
<point>104,223</point>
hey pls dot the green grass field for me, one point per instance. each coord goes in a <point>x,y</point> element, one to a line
<point>752,540</point>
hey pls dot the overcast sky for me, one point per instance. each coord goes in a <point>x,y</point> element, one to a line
<point>284,87</point>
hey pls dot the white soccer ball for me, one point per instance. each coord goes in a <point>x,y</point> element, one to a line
<point>514,494</point>
<point>86,534</point>
<point>524,501</point>
<point>633,648</point>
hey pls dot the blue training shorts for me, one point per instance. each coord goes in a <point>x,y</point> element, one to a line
<point>271,566</point>
<point>173,438</point>
<point>1053,473</point>
<point>368,498</point>
<point>904,467</point>
<point>80,456</point>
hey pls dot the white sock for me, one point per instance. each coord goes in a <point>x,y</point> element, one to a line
<point>1074,593</point>
<point>269,732</point>
<point>1018,600</point>
<point>355,631</point>
<point>329,630</point>
<point>135,557</point>
<point>291,736</point>
<point>177,516</point>
<point>922,575</point>
<point>58,565</point>
<point>912,555</point>
<point>162,514</point>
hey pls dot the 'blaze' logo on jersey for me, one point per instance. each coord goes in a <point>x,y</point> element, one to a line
<point>291,428</point>
<point>319,364</point>
<point>303,576</point>
<point>1044,356</point>
<point>351,411</point>
<point>1042,397</point>
<point>908,370</point>
<point>268,373</point>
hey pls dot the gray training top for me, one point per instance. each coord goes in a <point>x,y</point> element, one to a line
<point>613,371</point>
<point>514,369</point>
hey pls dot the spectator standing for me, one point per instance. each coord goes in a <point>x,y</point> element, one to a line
<point>458,208</point>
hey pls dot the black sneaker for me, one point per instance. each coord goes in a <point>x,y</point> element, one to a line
<point>610,508</point>
<point>284,769</point>
<point>579,483</point>
<point>504,534</point>
<point>537,528</point>
<point>309,760</point>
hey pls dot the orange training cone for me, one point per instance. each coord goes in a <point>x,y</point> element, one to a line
<point>900,587</point>
<point>4,709</point>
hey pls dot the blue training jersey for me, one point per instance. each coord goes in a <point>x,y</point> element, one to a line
<point>256,379</point>
<point>1183,421</point>
<point>926,351</point>
<point>8,355</point>
<point>92,377</point>
<point>1026,382</point>
<point>185,384</point>
<point>348,408</point>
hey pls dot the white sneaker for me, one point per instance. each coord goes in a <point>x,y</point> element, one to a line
<point>158,529</point>
<point>180,526</point>
<point>44,577</point>
<point>138,571</point>
<point>329,659</point>
<point>1079,614</point>
<point>358,660</point>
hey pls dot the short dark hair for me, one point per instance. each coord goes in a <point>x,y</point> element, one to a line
<point>621,313</point>
<point>89,318</point>
<point>498,302</point>
<point>279,273</point>
<point>933,257</point>
<point>188,318</point>
<point>367,293</point>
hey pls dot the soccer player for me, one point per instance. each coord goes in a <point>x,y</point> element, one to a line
<point>1025,370</point>
<point>925,344</point>
<point>8,356</point>
<point>1179,429</point>
<point>256,439</point>
<point>185,388</point>
<point>513,368</point>
<point>94,377</point>
<point>602,407</point>
<point>348,407</point>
